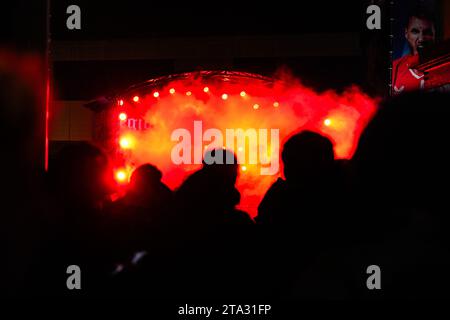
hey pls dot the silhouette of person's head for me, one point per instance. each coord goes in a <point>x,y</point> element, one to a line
<point>145,177</point>
<point>146,188</point>
<point>221,164</point>
<point>402,156</point>
<point>213,186</point>
<point>307,156</point>
<point>82,175</point>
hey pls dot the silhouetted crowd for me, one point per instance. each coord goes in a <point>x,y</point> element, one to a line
<point>316,232</point>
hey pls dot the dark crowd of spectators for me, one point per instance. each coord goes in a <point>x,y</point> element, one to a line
<point>317,229</point>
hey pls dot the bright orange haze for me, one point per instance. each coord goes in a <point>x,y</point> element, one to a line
<point>149,115</point>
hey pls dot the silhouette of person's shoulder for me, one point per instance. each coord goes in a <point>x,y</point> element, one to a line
<point>272,199</point>
<point>277,188</point>
<point>239,217</point>
<point>195,180</point>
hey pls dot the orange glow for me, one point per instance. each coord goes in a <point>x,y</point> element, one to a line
<point>243,94</point>
<point>291,108</point>
<point>122,116</point>
<point>136,98</point>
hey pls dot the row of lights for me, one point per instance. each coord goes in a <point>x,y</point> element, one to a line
<point>172,91</point>
<point>126,143</point>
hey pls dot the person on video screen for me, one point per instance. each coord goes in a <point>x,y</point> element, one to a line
<point>419,33</point>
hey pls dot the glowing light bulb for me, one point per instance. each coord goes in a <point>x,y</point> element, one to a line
<point>224,96</point>
<point>276,104</point>
<point>243,94</point>
<point>327,122</point>
<point>120,102</point>
<point>256,106</point>
<point>188,93</point>
<point>205,89</point>
<point>156,94</point>
<point>135,98</point>
<point>172,91</point>
<point>121,175</point>
<point>122,116</point>
<point>125,143</point>
<point>244,168</point>
<point>240,149</point>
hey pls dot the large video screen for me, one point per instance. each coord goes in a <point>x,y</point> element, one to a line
<point>420,46</point>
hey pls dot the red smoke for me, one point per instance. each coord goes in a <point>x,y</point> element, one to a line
<point>231,102</point>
